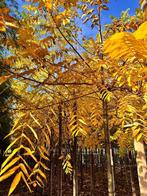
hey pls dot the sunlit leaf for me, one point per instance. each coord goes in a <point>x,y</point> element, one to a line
<point>15,182</point>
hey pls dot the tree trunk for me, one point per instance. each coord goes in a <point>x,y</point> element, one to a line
<point>75,176</point>
<point>133,188</point>
<point>81,170</point>
<point>50,181</point>
<point>91,174</point>
<point>60,153</point>
<point>141,167</point>
<point>110,172</point>
<point>51,174</point>
<point>126,172</point>
<point>86,162</point>
<point>110,166</point>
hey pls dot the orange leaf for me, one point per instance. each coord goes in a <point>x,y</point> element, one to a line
<point>4,78</point>
<point>15,182</point>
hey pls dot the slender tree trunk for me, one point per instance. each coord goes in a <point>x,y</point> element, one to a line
<point>126,171</point>
<point>110,165</point>
<point>131,175</point>
<point>60,153</point>
<point>51,165</point>
<point>141,167</point>
<point>81,170</point>
<point>91,173</point>
<point>75,176</point>
<point>110,171</point>
<point>97,157</point>
<point>51,174</point>
<point>86,155</point>
<point>102,160</point>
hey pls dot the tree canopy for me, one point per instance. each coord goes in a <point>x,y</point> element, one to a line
<point>70,88</point>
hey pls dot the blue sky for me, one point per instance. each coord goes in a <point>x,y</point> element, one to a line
<point>117,6</point>
<point>115,9</point>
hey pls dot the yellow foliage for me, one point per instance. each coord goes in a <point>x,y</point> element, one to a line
<point>4,16</point>
<point>49,4</point>
<point>44,63</point>
<point>126,45</point>
<point>141,32</point>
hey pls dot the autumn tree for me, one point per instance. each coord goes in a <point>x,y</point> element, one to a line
<point>90,97</point>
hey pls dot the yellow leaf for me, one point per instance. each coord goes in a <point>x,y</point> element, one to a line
<point>135,132</point>
<point>49,4</point>
<point>8,173</point>
<point>33,131</point>
<point>13,130</point>
<point>44,166</point>
<point>82,121</point>
<point>41,173</point>
<point>2,29</point>
<point>15,182</point>
<point>73,128</point>
<point>129,80</point>
<point>17,120</point>
<point>42,155</point>
<point>29,141</point>
<point>24,179</point>
<point>23,168</point>
<point>9,165</point>
<point>141,32</point>
<point>139,137</point>
<point>35,184</point>
<point>47,137</point>
<point>11,25</point>
<point>54,113</point>
<point>39,179</point>
<point>30,153</point>
<point>11,144</point>
<point>2,25</point>
<point>82,131</point>
<point>44,150</point>
<point>119,78</point>
<point>35,120</point>
<point>10,156</point>
<point>49,131</point>
<point>125,45</point>
<point>66,21</point>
